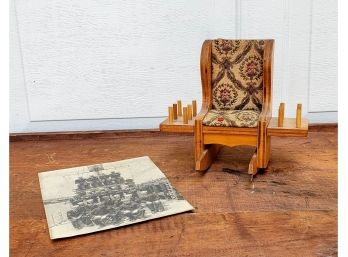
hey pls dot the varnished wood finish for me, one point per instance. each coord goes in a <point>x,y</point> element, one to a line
<point>205,65</point>
<point>229,140</point>
<point>179,108</point>
<point>189,111</point>
<point>175,111</point>
<point>288,129</point>
<point>264,141</point>
<point>289,210</point>
<point>207,157</point>
<point>170,115</point>
<point>177,126</point>
<point>266,113</point>
<point>185,115</point>
<point>281,114</point>
<point>298,115</point>
<point>322,127</point>
<point>252,168</point>
<point>199,146</point>
<point>201,150</point>
<point>194,108</point>
<point>201,162</point>
<point>230,131</point>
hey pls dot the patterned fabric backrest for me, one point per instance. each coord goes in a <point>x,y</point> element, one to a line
<point>237,74</point>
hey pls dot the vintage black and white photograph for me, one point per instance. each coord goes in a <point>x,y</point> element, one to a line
<point>98,197</point>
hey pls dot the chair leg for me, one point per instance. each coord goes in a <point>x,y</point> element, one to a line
<point>263,145</point>
<point>252,170</point>
<point>264,153</point>
<point>199,146</point>
<point>207,157</point>
<point>268,151</point>
<point>204,154</point>
<point>261,157</point>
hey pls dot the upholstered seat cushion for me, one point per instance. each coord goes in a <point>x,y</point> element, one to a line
<point>231,118</point>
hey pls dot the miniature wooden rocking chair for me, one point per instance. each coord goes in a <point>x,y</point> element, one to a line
<point>237,99</point>
<point>237,103</point>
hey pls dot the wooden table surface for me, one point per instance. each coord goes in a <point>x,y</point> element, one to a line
<point>290,210</point>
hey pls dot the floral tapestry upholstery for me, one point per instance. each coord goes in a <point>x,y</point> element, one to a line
<point>237,74</point>
<point>231,118</point>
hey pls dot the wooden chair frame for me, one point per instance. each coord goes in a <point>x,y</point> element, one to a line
<point>208,140</point>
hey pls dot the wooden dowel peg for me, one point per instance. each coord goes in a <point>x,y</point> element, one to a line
<point>175,111</point>
<point>298,115</point>
<point>179,108</point>
<point>184,115</point>
<point>189,111</point>
<point>194,108</point>
<point>281,114</point>
<point>170,115</point>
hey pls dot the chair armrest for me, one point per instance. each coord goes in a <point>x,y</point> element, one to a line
<point>265,115</point>
<point>200,116</point>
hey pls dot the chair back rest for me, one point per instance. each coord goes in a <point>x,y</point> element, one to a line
<point>237,74</point>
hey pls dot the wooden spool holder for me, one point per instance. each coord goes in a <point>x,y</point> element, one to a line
<point>180,119</point>
<point>183,121</point>
<point>284,127</point>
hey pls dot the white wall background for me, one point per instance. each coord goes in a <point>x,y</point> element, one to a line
<point>106,64</point>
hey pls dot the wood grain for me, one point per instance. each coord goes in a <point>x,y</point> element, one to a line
<point>288,128</point>
<point>207,157</point>
<point>175,111</point>
<point>281,112</point>
<point>194,108</point>
<point>189,111</point>
<point>69,135</point>
<point>170,115</point>
<point>185,115</point>
<point>179,125</point>
<point>289,210</point>
<point>298,115</point>
<point>179,108</point>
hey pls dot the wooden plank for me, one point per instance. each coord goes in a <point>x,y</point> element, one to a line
<point>67,135</point>
<point>286,211</point>
<point>230,130</point>
<point>323,127</point>
<point>230,140</point>
<point>201,234</point>
<point>291,174</point>
<point>288,129</point>
<point>177,126</point>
